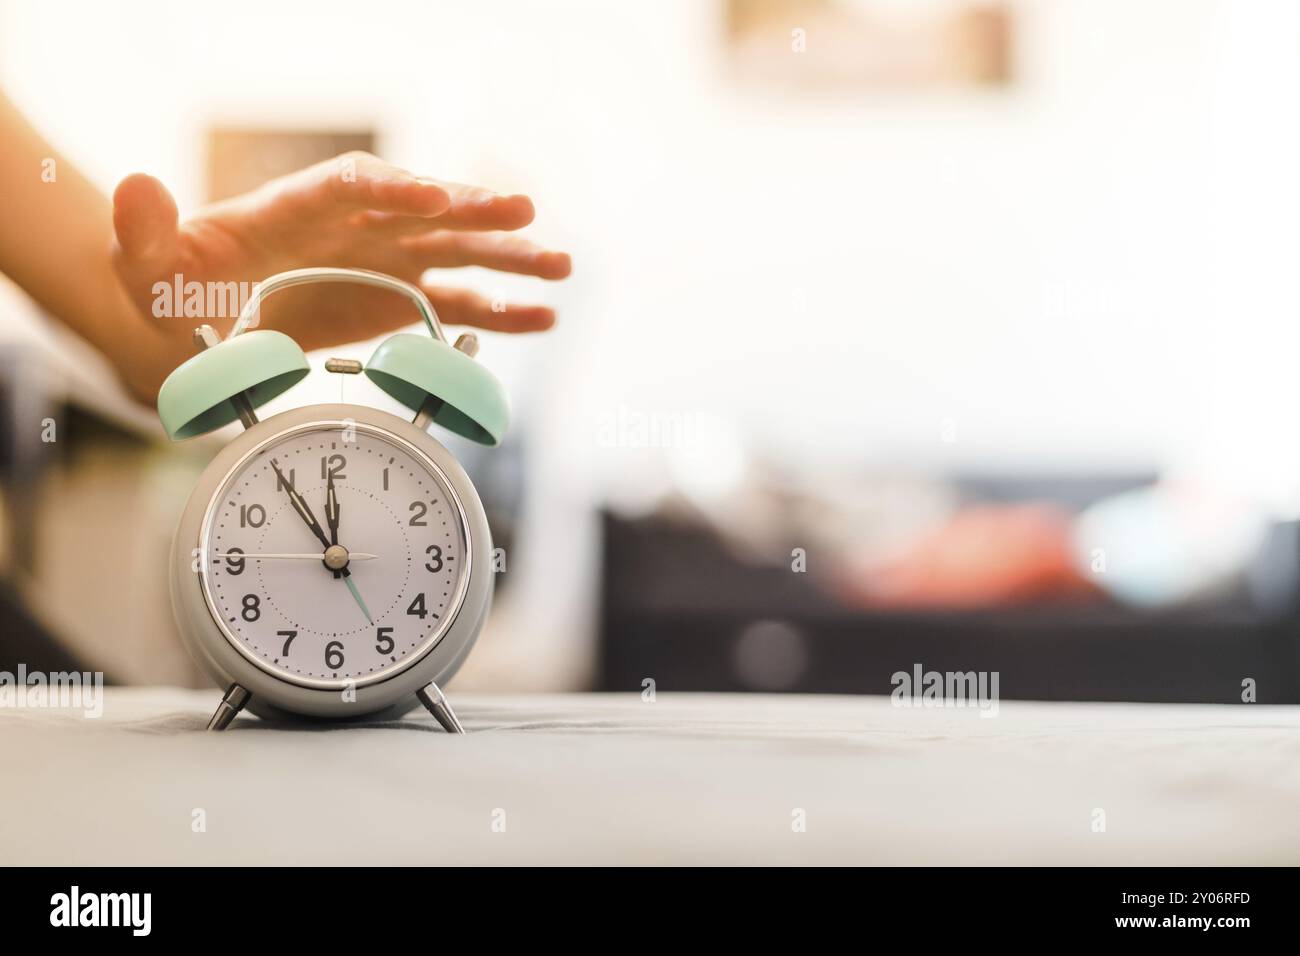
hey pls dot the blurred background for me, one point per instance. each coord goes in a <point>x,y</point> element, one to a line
<point>947,332</point>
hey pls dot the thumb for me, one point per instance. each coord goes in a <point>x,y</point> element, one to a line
<point>145,221</point>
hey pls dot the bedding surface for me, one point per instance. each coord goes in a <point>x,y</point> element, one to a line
<point>589,778</point>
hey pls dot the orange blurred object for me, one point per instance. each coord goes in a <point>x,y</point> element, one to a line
<point>986,556</point>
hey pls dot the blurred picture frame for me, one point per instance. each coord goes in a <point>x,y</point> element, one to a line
<point>240,160</point>
<point>871,45</point>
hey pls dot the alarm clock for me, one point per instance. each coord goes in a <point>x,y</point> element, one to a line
<point>333,561</point>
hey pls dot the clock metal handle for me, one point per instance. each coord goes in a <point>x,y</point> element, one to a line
<point>285,280</point>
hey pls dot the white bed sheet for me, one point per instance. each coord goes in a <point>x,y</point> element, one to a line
<point>591,778</point>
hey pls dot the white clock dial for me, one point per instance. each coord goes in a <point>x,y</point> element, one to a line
<point>277,556</point>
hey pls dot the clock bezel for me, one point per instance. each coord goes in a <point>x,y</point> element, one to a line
<point>430,641</point>
<point>273,696</point>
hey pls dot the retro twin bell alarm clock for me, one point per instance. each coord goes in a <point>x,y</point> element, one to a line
<point>333,561</point>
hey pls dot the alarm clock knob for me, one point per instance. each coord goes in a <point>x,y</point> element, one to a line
<point>467,343</point>
<point>344,366</point>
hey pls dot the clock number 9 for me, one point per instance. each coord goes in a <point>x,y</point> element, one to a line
<point>233,565</point>
<point>334,655</point>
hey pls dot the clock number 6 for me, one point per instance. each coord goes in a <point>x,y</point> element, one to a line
<point>334,655</point>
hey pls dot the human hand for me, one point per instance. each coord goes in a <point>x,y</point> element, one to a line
<point>352,211</point>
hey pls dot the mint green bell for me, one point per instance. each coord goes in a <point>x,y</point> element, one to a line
<point>206,392</point>
<point>443,383</point>
<point>440,382</point>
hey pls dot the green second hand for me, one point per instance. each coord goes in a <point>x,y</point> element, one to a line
<point>360,603</point>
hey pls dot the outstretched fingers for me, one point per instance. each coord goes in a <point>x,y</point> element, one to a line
<point>463,307</point>
<point>502,252</point>
<point>359,183</point>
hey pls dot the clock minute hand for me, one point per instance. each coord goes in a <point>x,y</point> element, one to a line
<point>300,506</point>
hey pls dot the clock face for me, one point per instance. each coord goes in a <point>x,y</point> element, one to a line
<point>334,554</point>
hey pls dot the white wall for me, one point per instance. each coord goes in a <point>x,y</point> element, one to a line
<point>1090,271</point>
<point>1023,263</point>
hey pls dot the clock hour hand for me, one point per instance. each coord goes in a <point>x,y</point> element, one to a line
<point>332,510</point>
<point>332,513</point>
<point>300,506</point>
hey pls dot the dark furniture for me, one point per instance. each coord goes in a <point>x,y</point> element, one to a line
<point>678,608</point>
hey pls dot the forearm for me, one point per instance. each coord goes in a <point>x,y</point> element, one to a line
<point>56,241</point>
<point>96,265</point>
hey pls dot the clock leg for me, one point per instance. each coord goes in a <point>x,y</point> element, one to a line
<point>432,697</point>
<point>234,701</point>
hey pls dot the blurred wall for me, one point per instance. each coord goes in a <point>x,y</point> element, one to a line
<point>1088,270</point>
